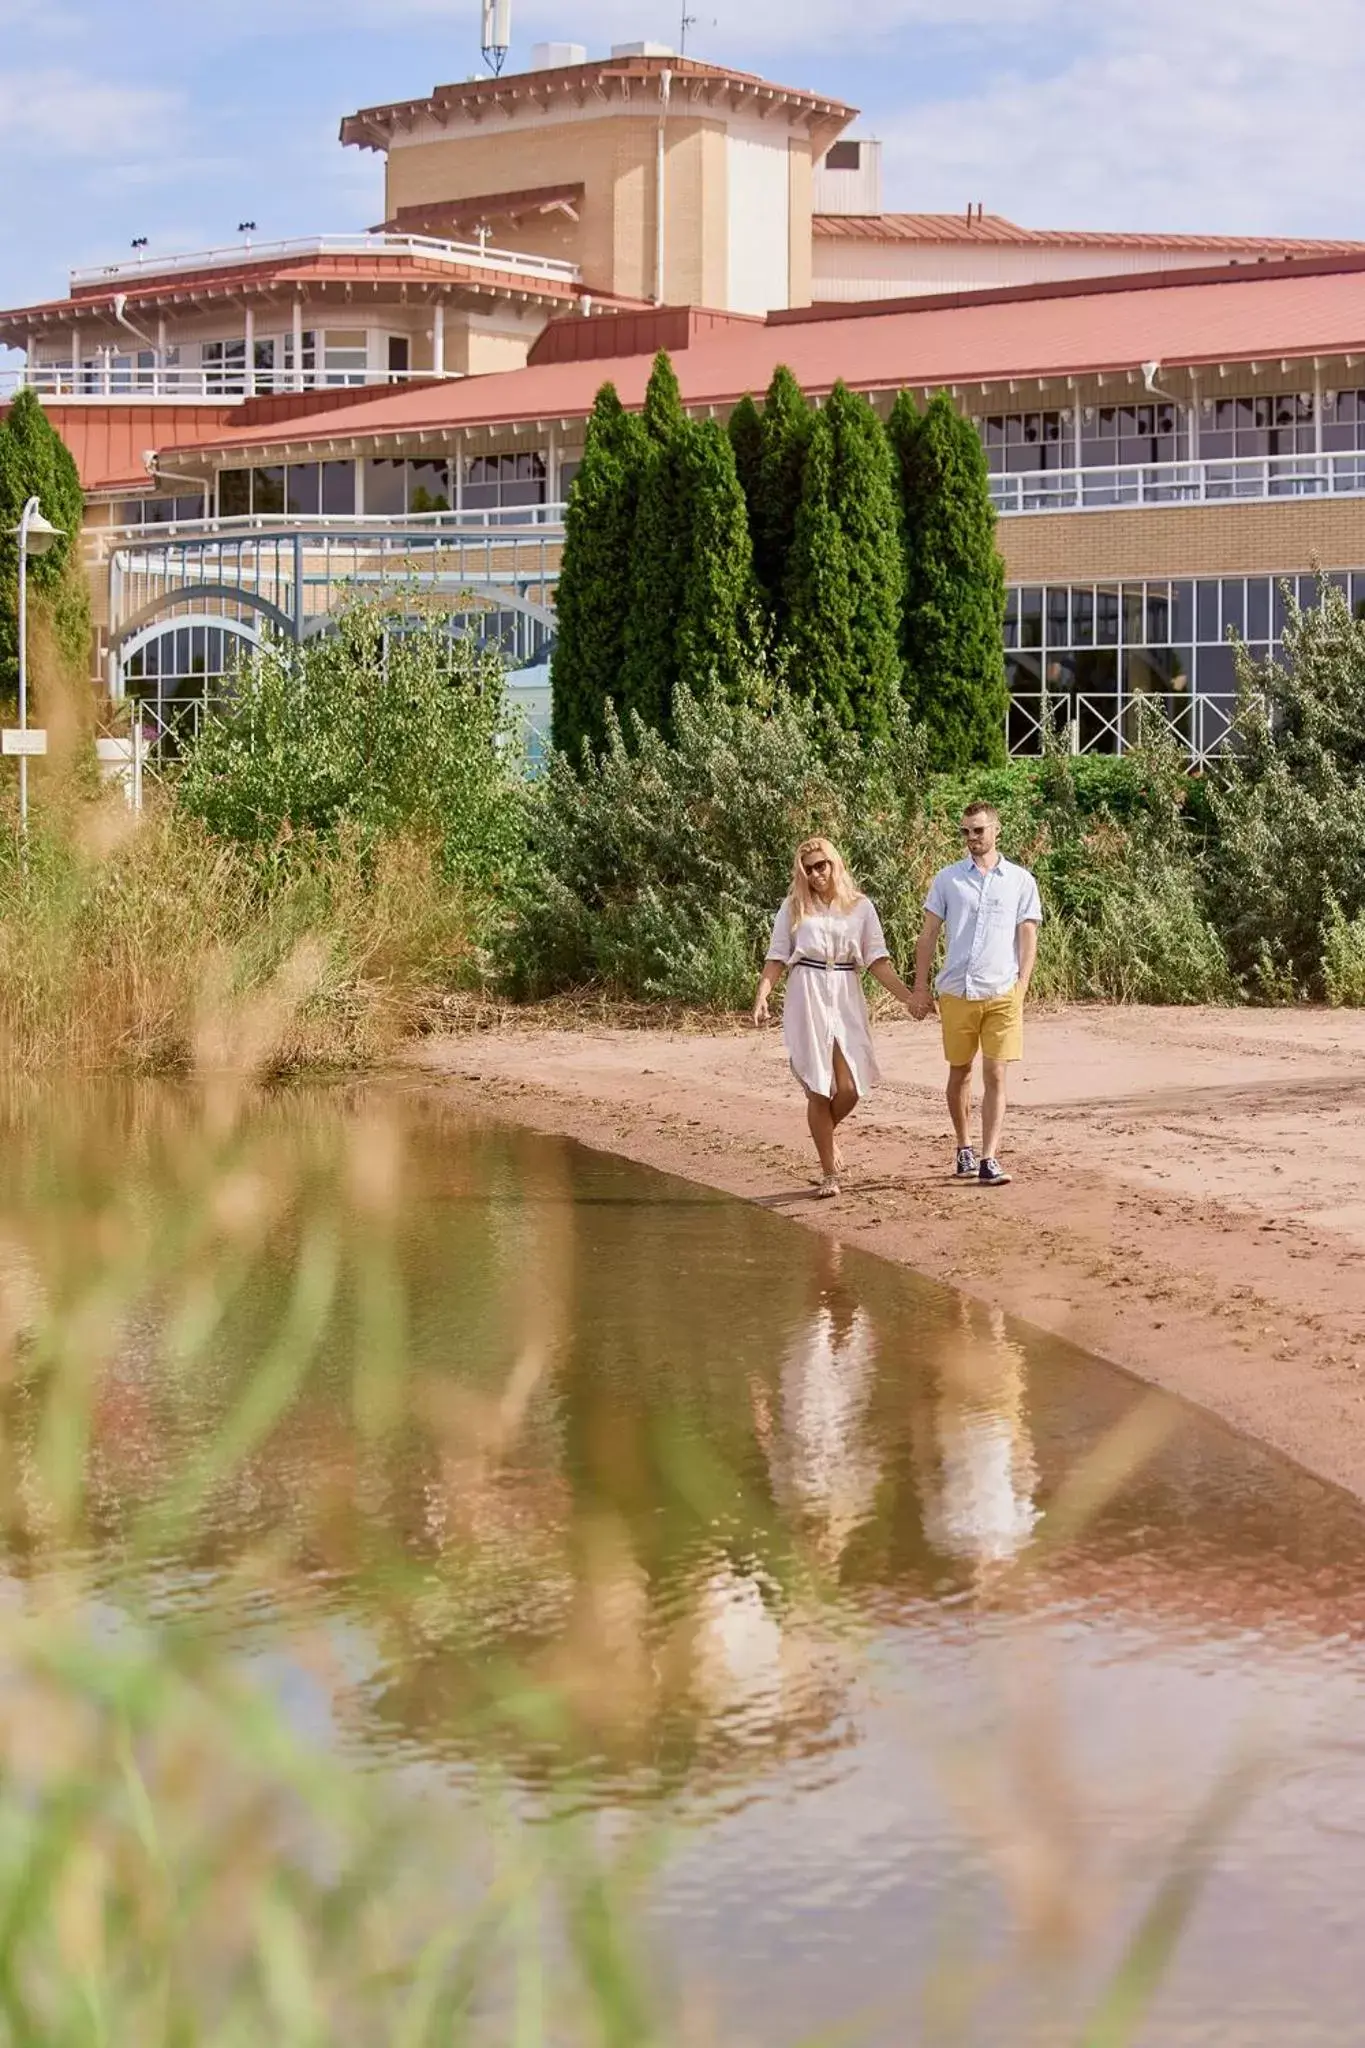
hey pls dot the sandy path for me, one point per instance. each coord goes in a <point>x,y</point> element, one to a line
<point>1190,1201</point>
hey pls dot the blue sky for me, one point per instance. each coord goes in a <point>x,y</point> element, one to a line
<point>175,121</point>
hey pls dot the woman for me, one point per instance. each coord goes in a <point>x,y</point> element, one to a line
<point>828,934</point>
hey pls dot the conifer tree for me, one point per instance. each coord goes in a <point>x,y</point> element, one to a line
<point>714,633</point>
<point>955,588</point>
<point>595,574</point>
<point>746,440</point>
<point>657,557</point>
<point>36,462</point>
<point>786,424</point>
<point>846,577</point>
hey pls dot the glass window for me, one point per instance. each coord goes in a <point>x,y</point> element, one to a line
<point>385,489</point>
<point>1206,611</point>
<point>1031,618</point>
<point>267,490</point>
<point>428,486</point>
<point>1233,606</point>
<point>1258,608</point>
<point>338,488</point>
<point>301,489</point>
<point>1097,671</point>
<point>1011,618</point>
<point>308,360</point>
<point>234,493</point>
<point>1215,672</point>
<point>1134,630</point>
<point>265,378</point>
<point>398,355</point>
<point>346,355</point>
<point>1158,614</point>
<point>224,364</point>
<point>1107,617</point>
<point>1182,611</point>
<point>1083,618</point>
<point>1058,622</point>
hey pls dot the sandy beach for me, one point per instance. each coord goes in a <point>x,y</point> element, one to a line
<point>1189,1200</point>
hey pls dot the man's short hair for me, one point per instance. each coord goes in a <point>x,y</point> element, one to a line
<point>982,811</point>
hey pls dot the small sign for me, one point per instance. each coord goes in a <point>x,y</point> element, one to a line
<point>30,739</point>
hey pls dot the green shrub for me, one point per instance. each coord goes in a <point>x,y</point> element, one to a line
<point>599,537</point>
<point>660,867</point>
<point>384,727</point>
<point>1289,803</point>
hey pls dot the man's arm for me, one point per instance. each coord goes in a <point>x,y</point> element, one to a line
<point>921,999</point>
<point>1026,952</point>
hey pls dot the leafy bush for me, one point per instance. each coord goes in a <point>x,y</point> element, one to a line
<point>1289,804</point>
<point>659,868</point>
<point>383,728</point>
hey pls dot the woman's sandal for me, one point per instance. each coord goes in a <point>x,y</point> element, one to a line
<point>829,1185</point>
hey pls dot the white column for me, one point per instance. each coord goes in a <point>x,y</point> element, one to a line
<point>75,359</point>
<point>249,348</point>
<point>298,345</point>
<point>438,338</point>
<point>159,382</point>
<point>552,467</point>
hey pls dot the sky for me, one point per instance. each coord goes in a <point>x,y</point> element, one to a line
<point>176,121</point>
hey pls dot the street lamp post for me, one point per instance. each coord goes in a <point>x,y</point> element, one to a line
<point>35,536</point>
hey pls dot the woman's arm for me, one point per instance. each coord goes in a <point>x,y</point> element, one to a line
<point>885,973</point>
<point>773,971</point>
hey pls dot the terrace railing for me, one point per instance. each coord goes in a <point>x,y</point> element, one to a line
<point>217,384</point>
<point>431,248</point>
<point>1196,482</point>
<point>1113,723</point>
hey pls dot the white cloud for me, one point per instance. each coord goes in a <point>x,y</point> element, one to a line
<point>62,113</point>
<point>1241,115</point>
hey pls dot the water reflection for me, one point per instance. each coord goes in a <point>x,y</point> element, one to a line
<point>663,1502</point>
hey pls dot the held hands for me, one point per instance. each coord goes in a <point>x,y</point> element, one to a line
<point>920,1004</point>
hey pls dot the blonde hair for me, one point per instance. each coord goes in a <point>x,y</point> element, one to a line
<point>803,902</point>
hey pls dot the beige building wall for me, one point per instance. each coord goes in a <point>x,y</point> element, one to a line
<point>800,254</point>
<point>1184,540</point>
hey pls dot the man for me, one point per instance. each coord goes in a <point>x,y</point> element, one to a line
<point>992,912</point>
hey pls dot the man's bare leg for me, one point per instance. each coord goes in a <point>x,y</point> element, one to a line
<point>993,1104</point>
<point>960,1102</point>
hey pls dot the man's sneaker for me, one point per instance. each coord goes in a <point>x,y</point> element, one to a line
<point>966,1163</point>
<point>993,1174</point>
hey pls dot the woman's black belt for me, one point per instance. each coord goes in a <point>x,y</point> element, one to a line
<point>841,966</point>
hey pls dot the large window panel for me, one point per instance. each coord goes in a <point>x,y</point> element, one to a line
<point>302,489</point>
<point>338,489</point>
<point>267,490</point>
<point>386,488</point>
<point>429,486</point>
<point>234,493</point>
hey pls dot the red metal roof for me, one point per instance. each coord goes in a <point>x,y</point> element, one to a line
<point>993,228</point>
<point>969,339</point>
<point>370,127</point>
<point>110,441</point>
<point>228,280</point>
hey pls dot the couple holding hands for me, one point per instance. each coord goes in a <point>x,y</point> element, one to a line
<point>827,935</point>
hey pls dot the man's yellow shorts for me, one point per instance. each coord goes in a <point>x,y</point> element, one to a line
<point>994,1026</point>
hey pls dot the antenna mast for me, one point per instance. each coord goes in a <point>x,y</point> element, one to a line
<point>688,21</point>
<point>497,33</point>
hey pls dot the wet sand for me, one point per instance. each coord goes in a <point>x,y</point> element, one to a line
<point>1189,1200</point>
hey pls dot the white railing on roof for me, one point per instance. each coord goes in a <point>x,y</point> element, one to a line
<point>1196,482</point>
<point>544,520</point>
<point>430,247</point>
<point>117,377</point>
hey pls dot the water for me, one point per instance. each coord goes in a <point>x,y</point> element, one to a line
<point>778,1528</point>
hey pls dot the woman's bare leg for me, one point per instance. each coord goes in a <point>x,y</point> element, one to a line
<point>820,1118</point>
<point>843,1102</point>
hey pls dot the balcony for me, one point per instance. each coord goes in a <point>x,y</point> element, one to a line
<point>424,248</point>
<point>1242,479</point>
<point>185,384</point>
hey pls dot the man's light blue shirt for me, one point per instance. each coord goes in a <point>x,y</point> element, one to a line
<point>982,910</point>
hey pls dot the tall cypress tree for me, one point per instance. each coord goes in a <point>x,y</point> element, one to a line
<point>818,596</point>
<point>787,420</point>
<point>594,576</point>
<point>713,637</point>
<point>657,557</point>
<point>36,462</point>
<point>852,490</point>
<point>746,440</point>
<point>955,589</point>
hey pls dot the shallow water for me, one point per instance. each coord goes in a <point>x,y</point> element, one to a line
<point>781,1528</point>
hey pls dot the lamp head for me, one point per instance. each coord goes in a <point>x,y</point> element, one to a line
<point>34,533</point>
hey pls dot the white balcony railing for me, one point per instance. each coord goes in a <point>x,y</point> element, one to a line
<point>217,385</point>
<point>429,247</point>
<point>414,528</point>
<point>1112,723</point>
<point>1243,477</point>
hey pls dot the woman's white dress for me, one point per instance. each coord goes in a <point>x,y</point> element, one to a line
<point>826,956</point>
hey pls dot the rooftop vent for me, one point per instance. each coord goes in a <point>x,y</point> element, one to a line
<point>555,56</point>
<point>642,50</point>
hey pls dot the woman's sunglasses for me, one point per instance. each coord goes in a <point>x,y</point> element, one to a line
<point>815,867</point>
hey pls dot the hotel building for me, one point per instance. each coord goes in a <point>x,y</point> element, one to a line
<point>1173,424</point>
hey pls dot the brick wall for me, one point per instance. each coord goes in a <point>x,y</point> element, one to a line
<point>1184,540</point>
